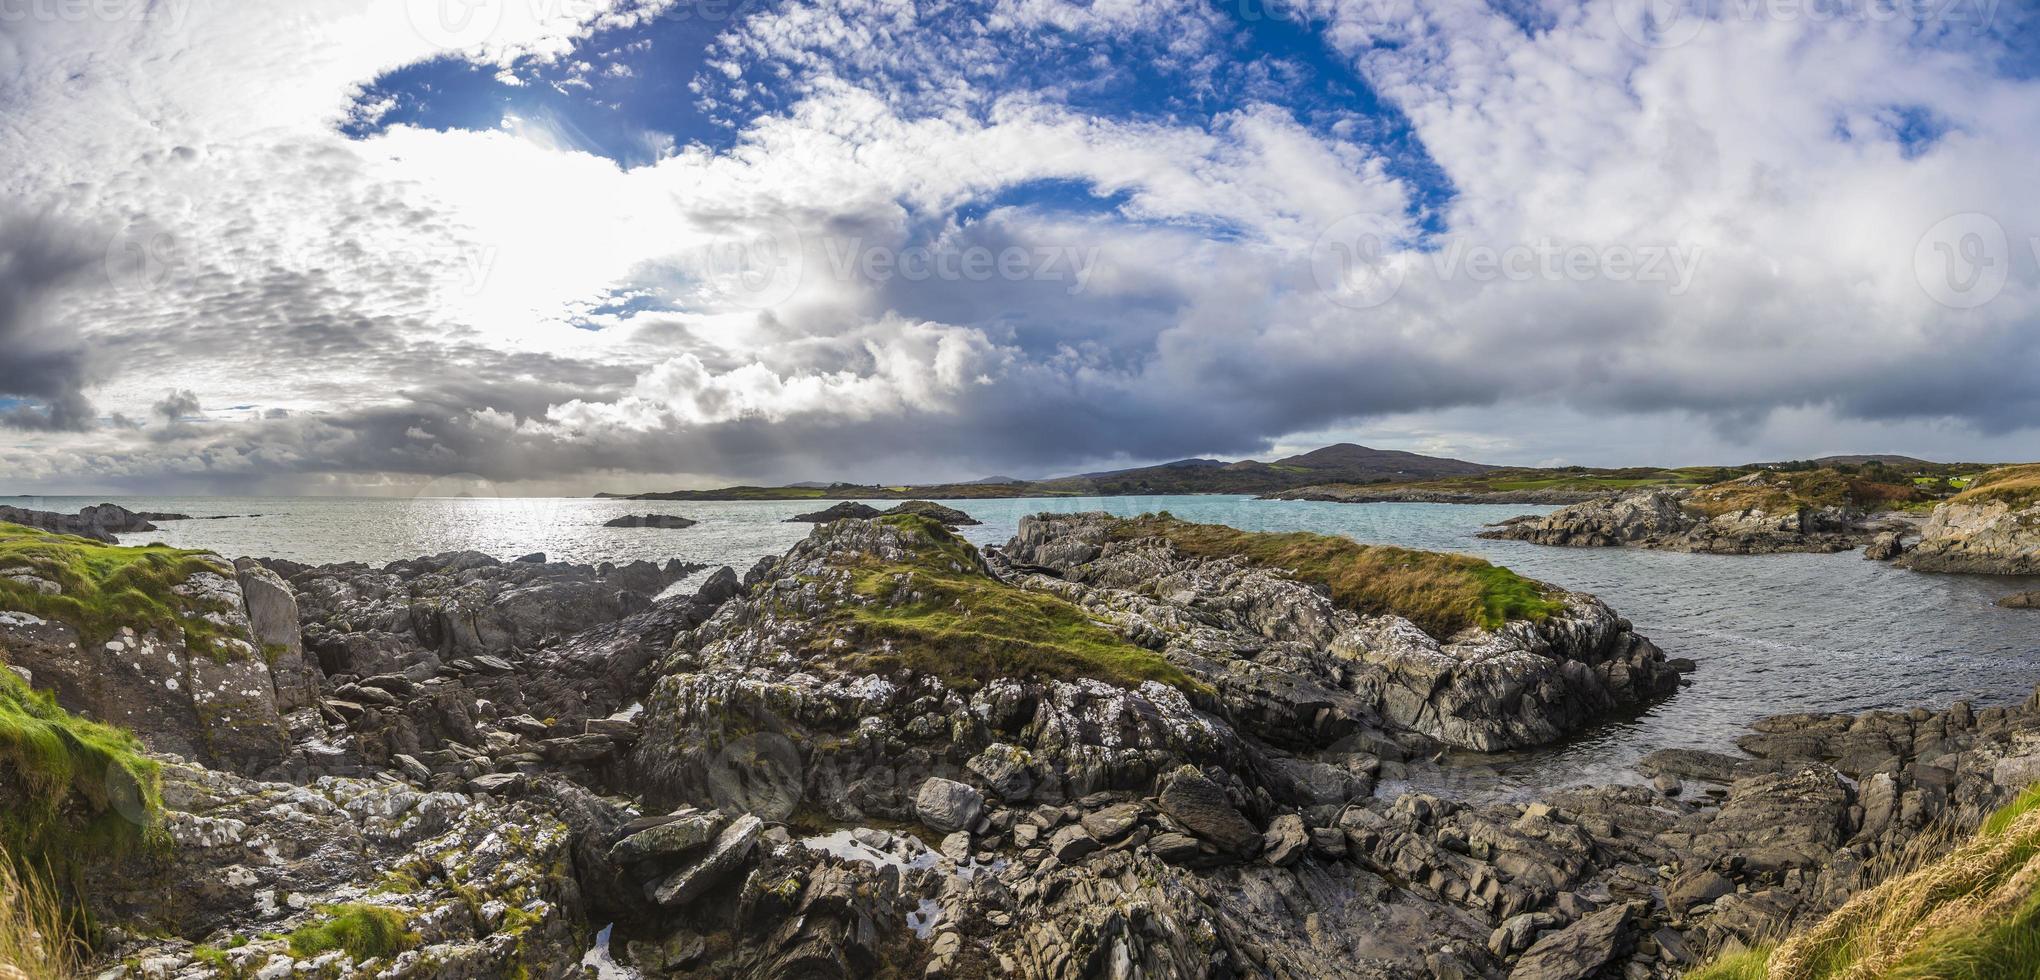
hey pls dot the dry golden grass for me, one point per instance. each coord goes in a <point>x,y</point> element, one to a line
<point>33,933</point>
<point>2014,485</point>
<point>1973,914</point>
<point>1441,593</point>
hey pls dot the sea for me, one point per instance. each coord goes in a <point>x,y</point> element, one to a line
<point>1771,633</point>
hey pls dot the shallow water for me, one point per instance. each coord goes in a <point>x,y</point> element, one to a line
<point>1772,634</point>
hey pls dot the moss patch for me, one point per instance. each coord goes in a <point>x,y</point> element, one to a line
<point>107,587</point>
<point>1441,593</point>
<point>362,931</point>
<point>89,790</point>
<point>940,613</point>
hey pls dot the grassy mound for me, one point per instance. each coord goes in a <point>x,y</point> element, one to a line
<point>364,932</point>
<point>88,790</point>
<point>1971,915</point>
<point>939,613</point>
<point>2018,486</point>
<point>1779,492</point>
<point>106,587</point>
<point>1441,593</point>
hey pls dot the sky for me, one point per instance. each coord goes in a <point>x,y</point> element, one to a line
<point>562,246</point>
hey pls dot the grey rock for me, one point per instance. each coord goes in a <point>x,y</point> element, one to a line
<point>1201,807</point>
<point>732,848</point>
<point>947,805</point>
<point>1582,949</point>
<point>682,833</point>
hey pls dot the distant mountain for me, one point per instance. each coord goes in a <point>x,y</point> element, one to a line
<point>1343,463</point>
<point>1901,462</point>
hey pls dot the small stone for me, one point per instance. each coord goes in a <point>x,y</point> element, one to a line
<point>1072,844</point>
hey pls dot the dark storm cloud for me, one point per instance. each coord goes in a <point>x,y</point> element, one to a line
<point>43,365</point>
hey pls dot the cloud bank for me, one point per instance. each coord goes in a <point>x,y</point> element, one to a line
<point>365,246</point>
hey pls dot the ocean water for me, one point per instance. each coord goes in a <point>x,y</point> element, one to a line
<point>1772,634</point>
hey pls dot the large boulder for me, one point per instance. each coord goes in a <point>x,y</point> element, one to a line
<point>1982,536</point>
<point>193,680</point>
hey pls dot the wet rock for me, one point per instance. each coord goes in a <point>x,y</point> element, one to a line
<point>2021,600</point>
<point>1885,546</point>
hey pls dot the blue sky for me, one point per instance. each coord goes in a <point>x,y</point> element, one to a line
<point>624,244</point>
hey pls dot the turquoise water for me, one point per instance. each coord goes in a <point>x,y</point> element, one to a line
<point>1771,633</point>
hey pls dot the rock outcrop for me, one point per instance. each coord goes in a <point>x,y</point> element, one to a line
<point>412,616</point>
<point>948,516</point>
<point>100,522</point>
<point>1983,536</point>
<point>194,679</point>
<point>2021,600</point>
<point>844,510</point>
<point>1298,670</point>
<point>1675,520</point>
<point>667,521</point>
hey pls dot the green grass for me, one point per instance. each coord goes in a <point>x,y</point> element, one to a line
<point>940,613</point>
<point>106,587</point>
<point>363,931</point>
<point>89,790</point>
<point>1972,914</point>
<point>1441,593</point>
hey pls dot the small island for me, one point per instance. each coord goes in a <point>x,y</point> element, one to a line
<point>669,521</point>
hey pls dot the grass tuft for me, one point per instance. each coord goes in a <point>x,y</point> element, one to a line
<point>364,932</point>
<point>2017,486</point>
<point>35,927</point>
<point>1973,914</point>
<point>941,613</point>
<point>1441,593</point>
<point>88,788</point>
<point>106,587</point>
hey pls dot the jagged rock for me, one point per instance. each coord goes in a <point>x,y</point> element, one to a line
<point>732,848</point>
<point>1582,950</point>
<point>2021,600</point>
<point>1885,546</point>
<point>1285,841</point>
<point>1072,844</point>
<point>846,510</point>
<point>1666,520</point>
<point>1202,808</point>
<point>947,805</point>
<point>949,516</point>
<point>684,832</point>
<point>1983,537</point>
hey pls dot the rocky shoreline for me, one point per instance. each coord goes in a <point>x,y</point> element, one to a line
<point>1095,751</point>
<point>1665,520</point>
